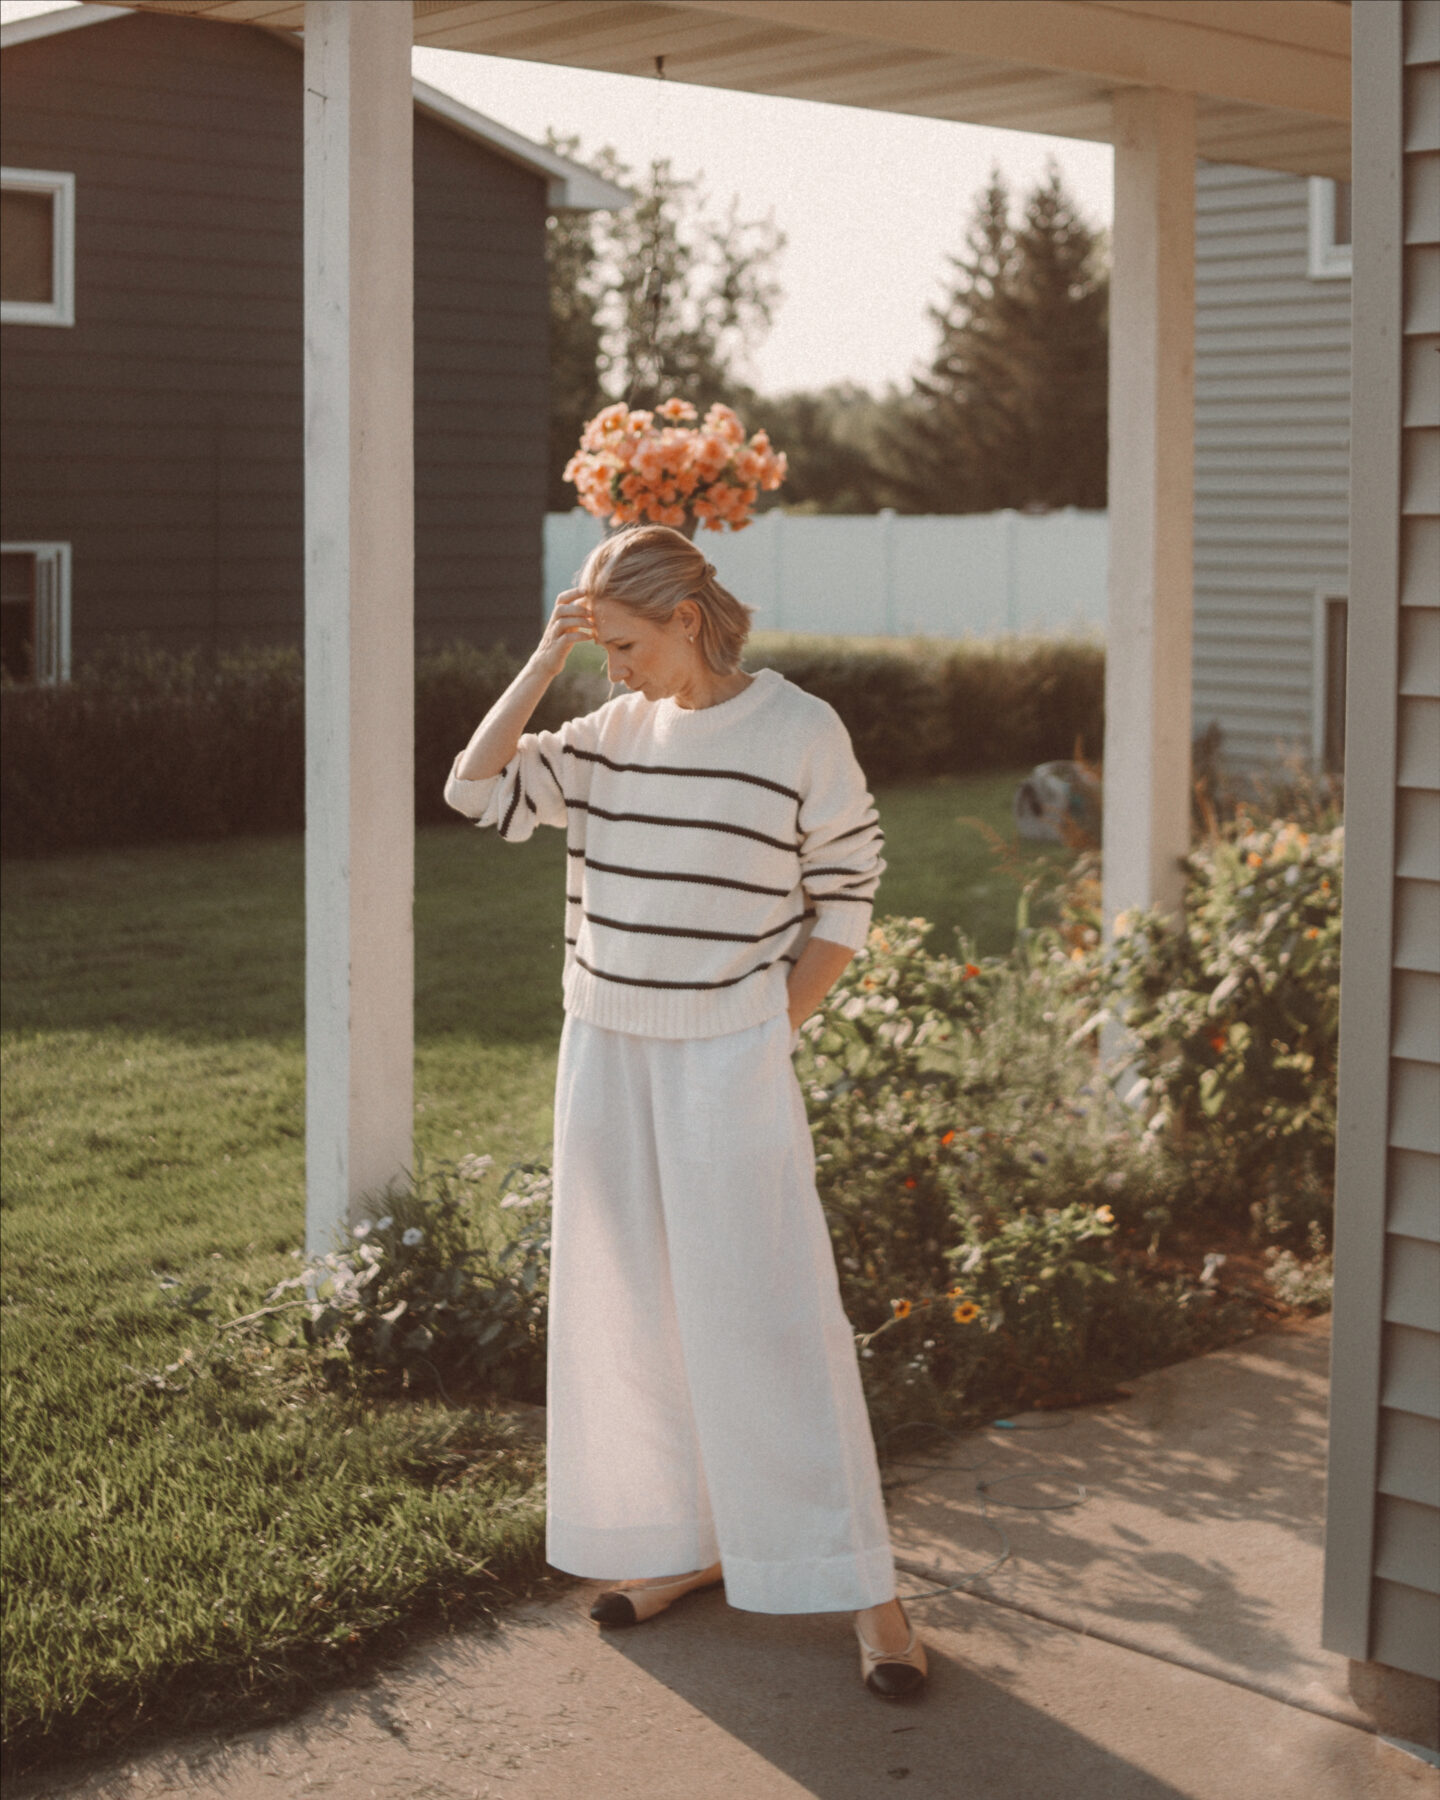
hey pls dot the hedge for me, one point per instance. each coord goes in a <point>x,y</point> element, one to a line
<point>150,746</point>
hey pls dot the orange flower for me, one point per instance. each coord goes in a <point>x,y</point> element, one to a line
<point>965,1312</point>
<point>1218,1042</point>
<point>1104,1215</point>
<point>909,1181</point>
<point>668,465</point>
<point>971,970</point>
<point>724,424</point>
<point>902,1309</point>
<point>1254,859</point>
<point>949,1138</point>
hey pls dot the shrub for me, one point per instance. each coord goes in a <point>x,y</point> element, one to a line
<point>990,1205</point>
<point>148,746</point>
<point>957,709</point>
<point>1005,708</point>
<point>1235,1017</point>
<point>423,1298</point>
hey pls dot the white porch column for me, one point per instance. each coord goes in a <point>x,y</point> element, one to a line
<point>359,606</point>
<point>1152,406</point>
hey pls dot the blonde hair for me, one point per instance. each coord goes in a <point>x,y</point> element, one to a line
<point>650,569</point>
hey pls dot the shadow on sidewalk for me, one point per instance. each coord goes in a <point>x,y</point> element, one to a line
<point>1200,1534</point>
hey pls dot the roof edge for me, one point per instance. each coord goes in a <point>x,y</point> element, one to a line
<point>51,24</point>
<point>569,186</point>
<point>572,188</point>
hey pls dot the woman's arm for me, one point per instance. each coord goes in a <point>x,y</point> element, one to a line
<point>498,734</point>
<point>820,966</point>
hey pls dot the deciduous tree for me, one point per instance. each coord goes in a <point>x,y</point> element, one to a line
<point>662,297</point>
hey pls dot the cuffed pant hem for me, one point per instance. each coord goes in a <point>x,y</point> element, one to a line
<point>632,1552</point>
<point>826,1584</point>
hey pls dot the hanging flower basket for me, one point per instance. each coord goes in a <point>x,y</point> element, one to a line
<point>670,467</point>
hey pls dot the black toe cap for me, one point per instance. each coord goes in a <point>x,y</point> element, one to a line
<point>613,1609</point>
<point>895,1681</point>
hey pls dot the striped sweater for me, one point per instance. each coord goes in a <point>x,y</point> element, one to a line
<point>705,848</point>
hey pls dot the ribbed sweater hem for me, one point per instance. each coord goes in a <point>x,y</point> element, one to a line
<point>676,1013</point>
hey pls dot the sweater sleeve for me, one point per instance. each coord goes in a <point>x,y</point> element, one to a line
<point>527,792</point>
<point>840,839</point>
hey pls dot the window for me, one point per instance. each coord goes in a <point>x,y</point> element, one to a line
<point>37,247</point>
<point>1331,625</point>
<point>35,612</point>
<point>1330,254</point>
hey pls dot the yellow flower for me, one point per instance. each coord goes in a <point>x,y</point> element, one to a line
<point>1104,1215</point>
<point>901,1308</point>
<point>965,1312</point>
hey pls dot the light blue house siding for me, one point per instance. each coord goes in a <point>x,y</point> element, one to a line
<point>1272,428</point>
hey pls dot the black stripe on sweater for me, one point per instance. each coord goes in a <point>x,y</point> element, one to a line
<point>684,824</point>
<point>550,771</point>
<point>620,768</point>
<point>516,798</point>
<point>688,986</point>
<point>872,826</point>
<point>744,887</point>
<point>686,931</point>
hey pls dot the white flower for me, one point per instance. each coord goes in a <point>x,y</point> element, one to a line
<point>412,1235</point>
<point>513,1202</point>
<point>363,1229</point>
<point>471,1168</point>
<point>385,1223</point>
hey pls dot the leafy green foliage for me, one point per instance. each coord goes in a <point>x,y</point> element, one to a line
<point>1236,1018</point>
<point>983,1188</point>
<point>151,748</point>
<point>425,1296</point>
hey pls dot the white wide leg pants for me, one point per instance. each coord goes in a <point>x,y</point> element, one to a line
<point>704,1397</point>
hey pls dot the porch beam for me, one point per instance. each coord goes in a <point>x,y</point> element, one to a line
<point>359,608</point>
<point>1151,503</point>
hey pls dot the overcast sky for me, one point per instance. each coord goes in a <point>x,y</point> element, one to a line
<point>870,202</point>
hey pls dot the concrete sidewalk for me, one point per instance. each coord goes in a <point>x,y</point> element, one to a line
<point>1155,1637</point>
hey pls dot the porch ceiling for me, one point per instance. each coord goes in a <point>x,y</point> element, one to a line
<point>1271,78</point>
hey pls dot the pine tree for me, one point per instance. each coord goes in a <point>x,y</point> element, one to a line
<point>1012,410</point>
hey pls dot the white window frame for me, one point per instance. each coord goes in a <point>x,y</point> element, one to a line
<point>60,310</point>
<point>52,608</point>
<point>1329,261</point>
<point>1320,670</point>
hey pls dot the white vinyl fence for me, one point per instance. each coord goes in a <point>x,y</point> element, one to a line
<point>893,575</point>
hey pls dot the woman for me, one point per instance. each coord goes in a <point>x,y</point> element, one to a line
<point>705,1408</point>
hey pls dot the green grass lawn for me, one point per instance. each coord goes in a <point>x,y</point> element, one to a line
<point>205,1555</point>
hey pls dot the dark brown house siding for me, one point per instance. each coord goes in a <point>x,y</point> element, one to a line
<point>161,435</point>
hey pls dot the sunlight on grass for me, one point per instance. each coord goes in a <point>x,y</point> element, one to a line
<point>196,1557</point>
